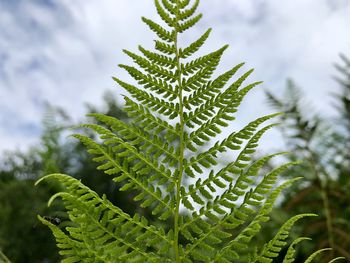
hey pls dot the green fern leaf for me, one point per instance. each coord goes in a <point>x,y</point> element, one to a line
<point>98,222</point>
<point>150,123</point>
<point>175,108</point>
<point>159,59</point>
<point>195,46</point>
<point>159,30</point>
<point>182,3</point>
<point>188,24</point>
<point>315,254</point>
<point>164,15</point>
<point>189,12</point>
<point>272,249</point>
<point>210,90</point>
<point>203,62</point>
<point>149,67</point>
<point>165,48</point>
<point>289,257</point>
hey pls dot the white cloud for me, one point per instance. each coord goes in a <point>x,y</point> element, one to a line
<point>64,52</point>
<point>299,39</point>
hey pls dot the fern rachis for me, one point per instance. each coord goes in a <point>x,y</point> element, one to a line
<point>153,157</point>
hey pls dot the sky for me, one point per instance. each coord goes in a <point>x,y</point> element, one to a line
<point>64,52</point>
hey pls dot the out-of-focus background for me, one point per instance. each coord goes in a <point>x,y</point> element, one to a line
<point>56,63</point>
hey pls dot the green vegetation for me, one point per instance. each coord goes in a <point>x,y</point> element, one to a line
<point>179,108</point>
<point>323,146</point>
<point>157,191</point>
<point>21,201</point>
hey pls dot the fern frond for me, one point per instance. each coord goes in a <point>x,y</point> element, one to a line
<point>207,92</point>
<point>226,199</point>
<point>290,255</point>
<point>236,218</point>
<point>150,123</point>
<point>112,164</point>
<point>240,243</point>
<point>122,149</point>
<point>72,249</point>
<point>151,145</point>
<point>315,254</point>
<point>182,3</point>
<point>152,83</point>
<point>166,17</point>
<point>165,48</point>
<point>170,7</point>
<point>227,102</point>
<point>101,225</point>
<point>206,65</point>
<point>195,46</point>
<point>271,250</point>
<point>181,27</point>
<point>149,67</point>
<point>159,59</point>
<point>209,121</point>
<point>211,59</point>
<point>175,107</point>
<point>163,107</point>
<point>184,14</point>
<point>161,32</point>
<point>233,142</point>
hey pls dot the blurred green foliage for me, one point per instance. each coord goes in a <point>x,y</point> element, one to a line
<point>322,146</point>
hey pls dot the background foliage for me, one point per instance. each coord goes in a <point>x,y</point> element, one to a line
<point>322,145</point>
<point>20,201</point>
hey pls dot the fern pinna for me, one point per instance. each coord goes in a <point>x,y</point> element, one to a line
<point>177,107</point>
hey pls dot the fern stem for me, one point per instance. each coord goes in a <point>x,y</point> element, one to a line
<point>182,143</point>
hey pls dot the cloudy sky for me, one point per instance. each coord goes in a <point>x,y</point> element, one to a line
<point>64,52</point>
